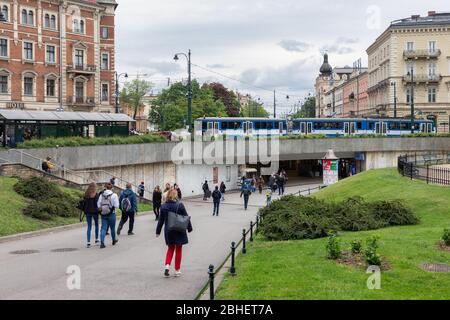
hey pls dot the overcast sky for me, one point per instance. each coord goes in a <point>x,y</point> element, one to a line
<point>272,44</point>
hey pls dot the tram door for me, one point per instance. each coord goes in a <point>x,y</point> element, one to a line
<point>380,128</point>
<point>210,128</point>
<point>309,128</point>
<point>347,128</point>
<point>248,128</point>
<point>216,128</point>
<point>426,127</point>
<point>302,127</point>
<point>280,129</point>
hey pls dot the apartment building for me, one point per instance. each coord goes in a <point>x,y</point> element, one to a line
<point>412,59</point>
<point>57,55</point>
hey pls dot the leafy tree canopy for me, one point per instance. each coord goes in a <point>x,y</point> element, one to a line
<point>134,92</point>
<point>307,110</point>
<point>254,110</point>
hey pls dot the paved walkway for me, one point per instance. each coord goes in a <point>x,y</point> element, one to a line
<point>131,270</point>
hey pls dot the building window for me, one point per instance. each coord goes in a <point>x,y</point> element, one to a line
<point>28,86</point>
<point>51,87</point>
<point>408,95</point>
<point>410,46</point>
<point>432,70</point>
<point>30,18</point>
<point>432,46</point>
<point>28,50</point>
<point>431,95</point>
<point>78,26</point>
<point>105,92</point>
<point>51,57</point>
<point>79,58</point>
<point>24,16</point>
<point>82,26</point>
<point>53,22</point>
<point>5,11</point>
<point>105,61</point>
<point>79,91</point>
<point>4,48</point>
<point>47,21</point>
<point>3,84</point>
<point>104,32</point>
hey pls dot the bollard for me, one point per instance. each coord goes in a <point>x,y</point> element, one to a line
<point>233,254</point>
<point>428,174</point>
<point>251,231</point>
<point>211,282</point>
<point>244,249</point>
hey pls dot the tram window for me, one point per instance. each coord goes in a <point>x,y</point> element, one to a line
<point>263,125</point>
<point>394,126</point>
<point>296,126</point>
<point>405,126</point>
<point>359,125</point>
<point>223,125</point>
<point>269,125</point>
<point>371,125</point>
<point>204,126</point>
<point>277,125</point>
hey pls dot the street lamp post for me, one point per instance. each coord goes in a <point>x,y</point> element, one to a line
<point>188,57</point>
<point>117,88</point>
<point>411,74</point>
<point>394,84</point>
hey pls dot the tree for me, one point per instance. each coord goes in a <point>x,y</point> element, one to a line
<point>228,98</point>
<point>169,110</point>
<point>254,110</point>
<point>307,110</point>
<point>134,92</point>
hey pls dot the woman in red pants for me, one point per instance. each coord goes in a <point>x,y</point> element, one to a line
<point>174,239</point>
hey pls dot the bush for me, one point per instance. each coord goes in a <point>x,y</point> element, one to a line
<point>370,254</point>
<point>48,199</point>
<point>356,246</point>
<point>446,237</point>
<point>333,246</point>
<point>81,141</point>
<point>296,218</point>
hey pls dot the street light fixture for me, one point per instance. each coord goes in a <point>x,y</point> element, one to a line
<point>188,57</point>
<point>117,88</point>
<point>411,74</point>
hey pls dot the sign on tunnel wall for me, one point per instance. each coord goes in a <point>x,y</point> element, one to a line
<point>330,172</point>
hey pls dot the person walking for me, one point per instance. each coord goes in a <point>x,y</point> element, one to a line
<point>175,240</point>
<point>128,206</point>
<point>157,199</point>
<point>216,195</point>
<point>141,189</point>
<point>113,181</point>
<point>166,191</point>
<point>246,192</point>
<point>206,191</point>
<point>91,211</point>
<point>268,197</point>
<point>108,202</point>
<point>222,189</point>
<point>280,183</point>
<point>260,184</point>
<point>177,187</point>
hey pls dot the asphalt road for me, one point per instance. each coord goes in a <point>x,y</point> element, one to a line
<point>133,269</point>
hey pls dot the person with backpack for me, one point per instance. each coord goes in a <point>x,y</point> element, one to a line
<point>141,189</point>
<point>90,209</point>
<point>128,206</point>
<point>157,200</point>
<point>175,240</point>
<point>216,195</point>
<point>223,189</point>
<point>246,192</point>
<point>206,191</point>
<point>107,203</point>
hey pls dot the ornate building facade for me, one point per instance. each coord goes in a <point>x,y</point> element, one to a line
<point>57,55</point>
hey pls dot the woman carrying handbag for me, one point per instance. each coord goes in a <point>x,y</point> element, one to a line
<point>176,222</point>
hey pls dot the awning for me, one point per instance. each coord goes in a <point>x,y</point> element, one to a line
<point>26,115</point>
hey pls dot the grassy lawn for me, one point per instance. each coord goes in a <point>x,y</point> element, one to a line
<point>12,204</point>
<point>299,269</point>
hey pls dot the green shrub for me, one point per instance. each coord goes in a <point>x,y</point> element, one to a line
<point>48,199</point>
<point>296,218</point>
<point>356,246</point>
<point>370,254</point>
<point>446,237</point>
<point>333,246</point>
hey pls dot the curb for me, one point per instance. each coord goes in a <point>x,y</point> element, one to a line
<point>32,234</point>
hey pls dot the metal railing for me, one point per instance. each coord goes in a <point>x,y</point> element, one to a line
<point>419,78</point>
<point>253,230</point>
<point>426,167</point>
<point>421,53</point>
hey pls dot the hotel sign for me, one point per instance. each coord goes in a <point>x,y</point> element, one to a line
<point>15,105</point>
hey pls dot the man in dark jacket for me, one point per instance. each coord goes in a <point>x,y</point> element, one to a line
<point>216,195</point>
<point>246,192</point>
<point>205,188</point>
<point>281,181</point>
<point>128,205</point>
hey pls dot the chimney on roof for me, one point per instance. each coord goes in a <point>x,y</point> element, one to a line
<point>415,16</point>
<point>431,13</point>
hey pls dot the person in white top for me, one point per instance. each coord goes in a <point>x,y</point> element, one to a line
<point>107,203</point>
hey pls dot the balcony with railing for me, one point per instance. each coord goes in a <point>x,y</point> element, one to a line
<point>421,54</point>
<point>423,78</point>
<point>82,69</point>
<point>81,101</point>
